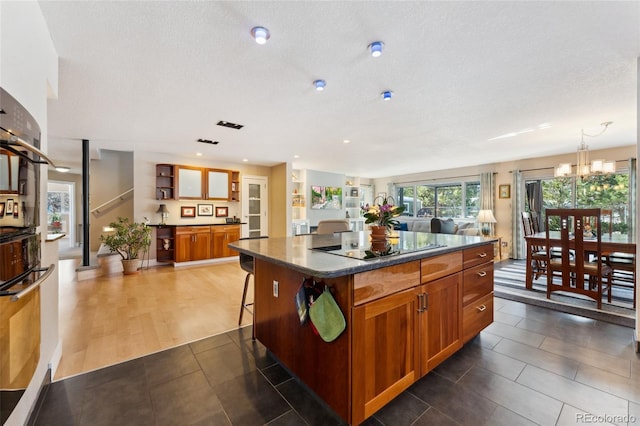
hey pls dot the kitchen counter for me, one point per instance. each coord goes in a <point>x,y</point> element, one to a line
<point>298,252</point>
<point>405,311</point>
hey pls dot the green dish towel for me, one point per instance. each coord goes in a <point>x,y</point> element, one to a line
<point>327,317</point>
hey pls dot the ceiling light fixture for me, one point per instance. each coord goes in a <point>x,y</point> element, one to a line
<point>260,34</point>
<point>376,48</point>
<point>583,167</point>
<point>386,95</point>
<point>319,85</point>
<point>63,169</point>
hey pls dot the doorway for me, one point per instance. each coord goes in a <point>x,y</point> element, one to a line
<point>60,212</point>
<point>255,206</point>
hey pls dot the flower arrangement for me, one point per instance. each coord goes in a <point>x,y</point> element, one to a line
<point>382,212</point>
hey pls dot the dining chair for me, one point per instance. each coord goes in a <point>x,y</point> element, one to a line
<point>538,253</point>
<point>582,274</point>
<point>329,226</point>
<point>623,265</point>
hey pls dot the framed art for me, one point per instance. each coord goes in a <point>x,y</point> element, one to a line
<point>9,209</point>
<point>222,211</point>
<point>205,209</point>
<point>504,191</point>
<point>2,205</point>
<point>187,211</point>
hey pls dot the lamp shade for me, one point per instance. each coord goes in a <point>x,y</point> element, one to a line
<point>486,216</point>
<point>162,209</point>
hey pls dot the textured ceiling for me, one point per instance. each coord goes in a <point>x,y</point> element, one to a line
<point>156,76</point>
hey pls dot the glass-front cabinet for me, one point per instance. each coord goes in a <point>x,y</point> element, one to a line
<point>218,182</point>
<point>190,183</point>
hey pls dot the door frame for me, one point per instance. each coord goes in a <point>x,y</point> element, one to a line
<point>264,204</point>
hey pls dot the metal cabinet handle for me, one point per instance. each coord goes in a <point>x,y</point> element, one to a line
<point>420,303</point>
<point>482,274</point>
<point>481,308</point>
<point>34,284</point>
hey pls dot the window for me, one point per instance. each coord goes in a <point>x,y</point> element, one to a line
<point>456,200</point>
<point>597,191</point>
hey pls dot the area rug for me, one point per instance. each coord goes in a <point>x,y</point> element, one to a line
<point>509,283</point>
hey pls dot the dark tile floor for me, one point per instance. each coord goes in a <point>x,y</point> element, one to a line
<point>531,366</point>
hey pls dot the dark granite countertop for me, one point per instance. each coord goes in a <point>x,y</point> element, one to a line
<point>345,249</point>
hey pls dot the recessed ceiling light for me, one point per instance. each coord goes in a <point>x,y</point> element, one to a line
<point>346,141</point>
<point>63,169</point>
<point>245,160</point>
<point>260,34</point>
<point>376,48</point>
<point>319,85</point>
<point>198,154</point>
<point>230,125</point>
<point>296,156</point>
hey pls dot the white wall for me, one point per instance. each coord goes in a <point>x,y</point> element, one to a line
<point>29,71</point>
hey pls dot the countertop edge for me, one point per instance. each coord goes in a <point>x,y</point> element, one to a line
<point>358,265</point>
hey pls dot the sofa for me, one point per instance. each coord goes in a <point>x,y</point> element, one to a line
<point>462,227</point>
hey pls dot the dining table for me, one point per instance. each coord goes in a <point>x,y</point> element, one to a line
<point>610,243</point>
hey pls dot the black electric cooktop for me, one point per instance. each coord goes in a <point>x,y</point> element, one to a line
<point>357,245</point>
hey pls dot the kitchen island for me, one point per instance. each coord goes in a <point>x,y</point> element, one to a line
<point>407,309</point>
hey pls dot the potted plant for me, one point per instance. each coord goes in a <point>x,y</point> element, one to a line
<point>128,239</point>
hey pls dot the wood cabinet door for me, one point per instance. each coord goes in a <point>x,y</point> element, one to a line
<point>441,322</point>
<point>218,243</point>
<point>200,248</point>
<point>183,247</point>
<point>385,343</point>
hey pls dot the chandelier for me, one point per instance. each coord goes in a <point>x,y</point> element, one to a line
<point>583,167</point>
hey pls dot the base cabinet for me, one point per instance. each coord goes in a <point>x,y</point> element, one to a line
<point>192,243</point>
<point>221,236</point>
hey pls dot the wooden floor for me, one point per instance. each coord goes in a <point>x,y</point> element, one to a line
<point>111,319</point>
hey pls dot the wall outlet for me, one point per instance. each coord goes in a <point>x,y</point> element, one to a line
<point>275,288</point>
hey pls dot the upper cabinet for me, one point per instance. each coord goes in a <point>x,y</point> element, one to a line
<point>179,182</point>
<point>190,183</point>
<point>218,184</point>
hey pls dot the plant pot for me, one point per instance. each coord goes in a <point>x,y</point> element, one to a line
<point>378,233</point>
<point>130,266</point>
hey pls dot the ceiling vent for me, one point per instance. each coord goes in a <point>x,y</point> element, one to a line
<point>230,125</point>
<point>208,141</point>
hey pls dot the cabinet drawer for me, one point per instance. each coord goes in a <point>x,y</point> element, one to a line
<point>477,255</point>
<point>192,229</point>
<point>476,316</point>
<point>477,282</point>
<point>375,284</point>
<point>436,267</point>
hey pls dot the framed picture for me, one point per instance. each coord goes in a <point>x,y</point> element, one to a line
<point>205,209</point>
<point>222,211</point>
<point>187,211</point>
<point>504,191</point>
<point>9,206</point>
<point>2,205</point>
<point>354,192</point>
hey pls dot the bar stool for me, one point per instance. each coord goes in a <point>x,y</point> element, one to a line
<point>246,263</point>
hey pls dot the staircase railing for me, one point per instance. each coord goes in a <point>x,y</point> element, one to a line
<point>111,202</point>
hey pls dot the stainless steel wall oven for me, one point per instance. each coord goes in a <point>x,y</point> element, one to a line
<point>20,269</point>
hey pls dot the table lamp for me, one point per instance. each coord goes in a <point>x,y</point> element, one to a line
<point>486,217</point>
<point>164,213</point>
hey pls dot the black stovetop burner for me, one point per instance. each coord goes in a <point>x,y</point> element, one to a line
<point>357,245</point>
